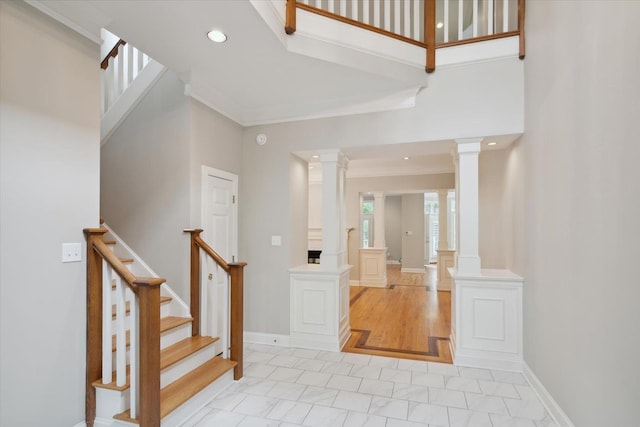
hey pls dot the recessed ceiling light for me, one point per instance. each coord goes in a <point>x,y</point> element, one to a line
<point>491,144</point>
<point>405,158</point>
<point>315,156</point>
<point>217,36</point>
<point>439,25</point>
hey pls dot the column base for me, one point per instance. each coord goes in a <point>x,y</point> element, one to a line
<point>319,309</point>
<point>486,320</point>
<point>373,267</point>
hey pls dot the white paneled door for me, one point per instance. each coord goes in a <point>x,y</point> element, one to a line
<point>220,225</point>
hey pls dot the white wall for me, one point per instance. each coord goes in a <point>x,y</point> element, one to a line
<point>413,231</point>
<point>393,227</point>
<point>145,179</point>
<point>577,166</point>
<point>49,192</point>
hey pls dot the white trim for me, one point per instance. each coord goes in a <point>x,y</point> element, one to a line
<point>393,262</point>
<point>268,339</point>
<point>487,360</point>
<point>556,412</point>
<point>97,422</point>
<point>40,5</point>
<point>354,282</point>
<point>412,270</point>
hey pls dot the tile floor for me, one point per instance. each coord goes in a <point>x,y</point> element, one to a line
<point>289,387</point>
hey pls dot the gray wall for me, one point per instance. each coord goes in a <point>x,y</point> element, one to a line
<point>355,186</point>
<point>494,222</point>
<point>145,180</point>
<point>152,175</point>
<point>577,166</point>
<point>413,222</point>
<point>49,192</point>
<point>393,227</point>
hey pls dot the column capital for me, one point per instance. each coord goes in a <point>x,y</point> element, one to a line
<point>469,145</point>
<point>334,155</point>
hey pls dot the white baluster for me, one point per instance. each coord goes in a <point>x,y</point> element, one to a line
<point>130,72</point>
<point>226,324</point>
<point>407,18</point>
<point>376,13</point>
<point>387,15</point>
<point>111,82</point>
<point>119,72</point>
<point>121,334</point>
<point>445,29</point>
<point>140,61</point>
<point>474,18</point>
<point>396,17</point>
<point>107,319</point>
<point>418,34</point>
<point>505,16</point>
<point>331,6</point>
<point>319,4</point>
<point>365,11</point>
<point>490,29</point>
<point>145,60</point>
<point>343,7</point>
<point>460,20</point>
<point>134,351</point>
<point>354,10</point>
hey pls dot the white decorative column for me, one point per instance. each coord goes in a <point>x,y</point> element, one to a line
<point>446,258</point>
<point>319,308</point>
<point>334,239</point>
<point>468,255</point>
<point>486,305</point>
<point>373,261</point>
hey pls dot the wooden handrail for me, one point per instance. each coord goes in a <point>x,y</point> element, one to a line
<point>147,291</point>
<point>429,43</point>
<point>112,54</point>
<point>236,279</point>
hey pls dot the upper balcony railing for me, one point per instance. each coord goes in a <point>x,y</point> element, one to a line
<point>430,24</point>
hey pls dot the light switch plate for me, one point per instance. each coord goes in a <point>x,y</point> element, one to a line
<point>71,252</point>
<point>276,240</point>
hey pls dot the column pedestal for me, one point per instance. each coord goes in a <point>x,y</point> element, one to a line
<point>446,260</point>
<point>486,319</point>
<point>373,267</point>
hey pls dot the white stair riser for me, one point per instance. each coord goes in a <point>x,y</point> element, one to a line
<point>197,402</point>
<point>186,365</point>
<point>166,339</point>
<point>165,310</point>
<point>111,402</point>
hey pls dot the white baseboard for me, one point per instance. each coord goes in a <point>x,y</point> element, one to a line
<point>412,270</point>
<point>354,282</point>
<point>98,422</point>
<point>556,412</point>
<point>269,339</point>
<point>393,262</point>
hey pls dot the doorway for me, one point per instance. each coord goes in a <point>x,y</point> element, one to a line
<point>219,222</point>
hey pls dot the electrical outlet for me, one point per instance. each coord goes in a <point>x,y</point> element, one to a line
<point>71,252</point>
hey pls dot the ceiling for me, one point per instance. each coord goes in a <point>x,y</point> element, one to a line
<point>252,78</point>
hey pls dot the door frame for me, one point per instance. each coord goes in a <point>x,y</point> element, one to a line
<point>208,171</point>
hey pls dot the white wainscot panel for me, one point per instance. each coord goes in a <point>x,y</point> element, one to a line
<point>373,267</point>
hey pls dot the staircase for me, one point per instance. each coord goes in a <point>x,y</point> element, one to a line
<point>145,369</point>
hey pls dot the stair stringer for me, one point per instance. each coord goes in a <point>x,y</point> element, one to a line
<point>177,307</point>
<point>126,102</point>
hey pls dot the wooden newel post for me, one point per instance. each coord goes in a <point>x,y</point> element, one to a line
<point>236,272</point>
<point>195,281</point>
<point>430,34</point>
<point>94,322</point>
<point>148,294</point>
<point>290,17</point>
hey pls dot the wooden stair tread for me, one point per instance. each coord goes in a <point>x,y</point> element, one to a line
<point>181,390</point>
<point>127,308</point>
<point>166,324</point>
<point>168,356</point>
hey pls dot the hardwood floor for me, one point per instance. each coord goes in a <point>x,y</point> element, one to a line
<point>409,319</point>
